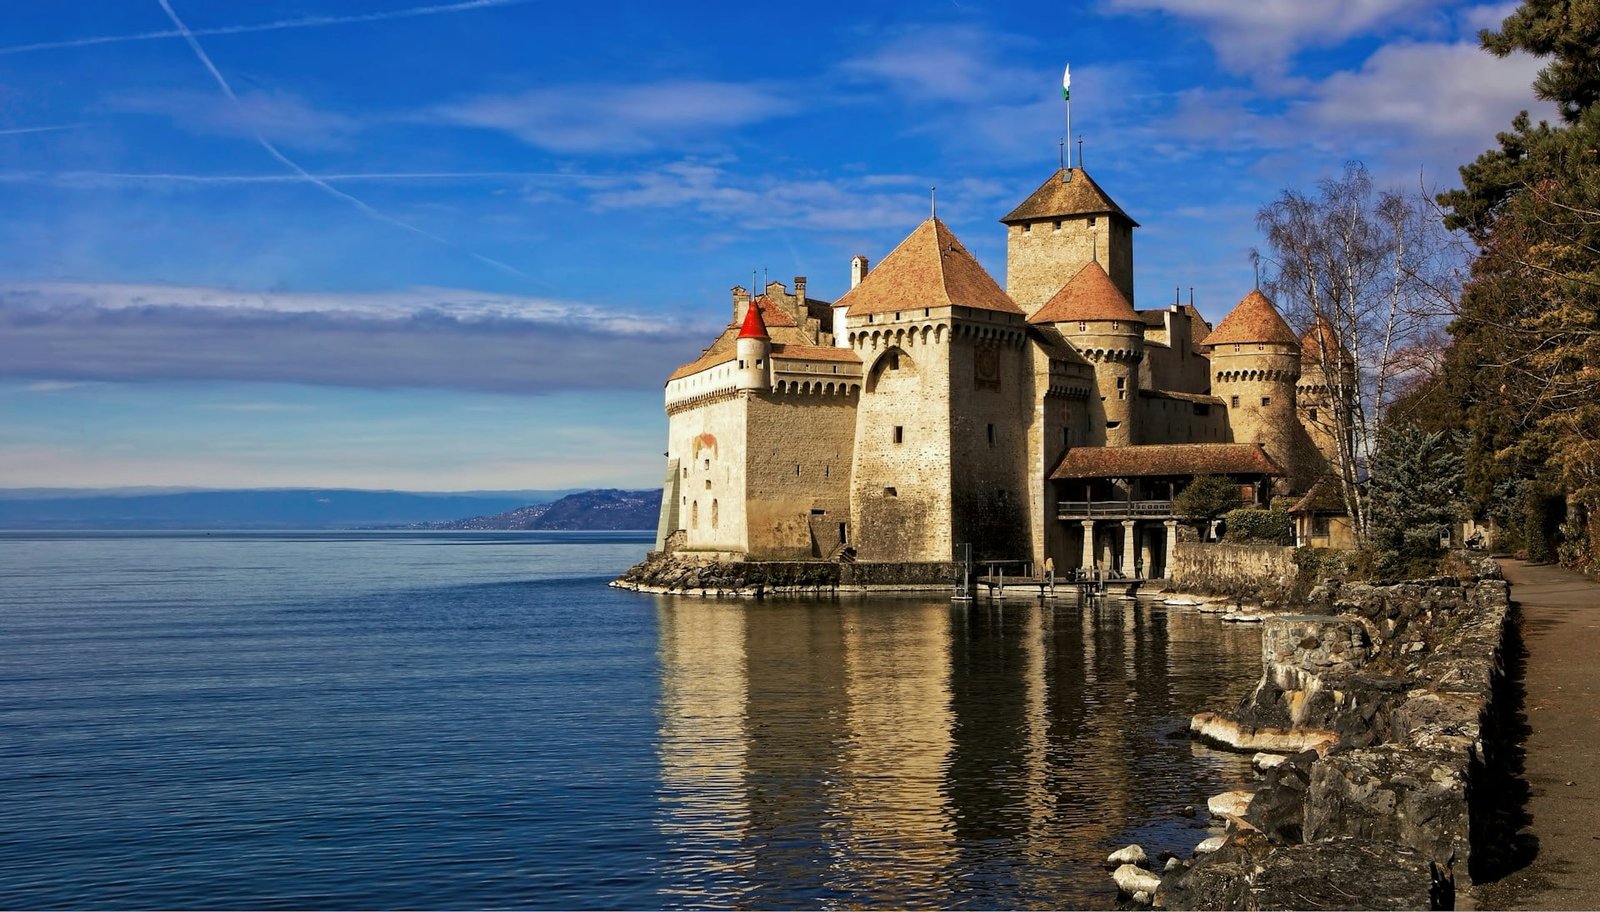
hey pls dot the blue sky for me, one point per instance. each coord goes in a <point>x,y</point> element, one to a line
<point>458,245</point>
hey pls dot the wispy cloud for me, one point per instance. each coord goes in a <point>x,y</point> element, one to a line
<point>292,165</point>
<point>442,338</point>
<point>276,25</point>
<point>284,117</point>
<point>619,119</point>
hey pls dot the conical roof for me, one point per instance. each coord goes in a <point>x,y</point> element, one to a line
<point>1253,319</point>
<point>930,268</point>
<point>1318,339</point>
<point>1068,192</point>
<point>1089,295</point>
<point>754,327</point>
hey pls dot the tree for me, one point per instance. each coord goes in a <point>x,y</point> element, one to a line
<point>1207,498</point>
<point>1415,497</point>
<point>1374,276</point>
<point>1526,358</point>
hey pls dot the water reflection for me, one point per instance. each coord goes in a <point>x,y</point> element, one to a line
<point>906,752</point>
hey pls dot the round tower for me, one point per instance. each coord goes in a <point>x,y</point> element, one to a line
<point>1255,364</point>
<point>1096,317</point>
<point>1327,376</point>
<point>753,349</point>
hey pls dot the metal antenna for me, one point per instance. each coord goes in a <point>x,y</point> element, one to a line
<point>1061,153</point>
<point>933,202</point>
<point>1080,152</point>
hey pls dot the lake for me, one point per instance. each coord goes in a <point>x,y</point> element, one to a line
<point>452,720</point>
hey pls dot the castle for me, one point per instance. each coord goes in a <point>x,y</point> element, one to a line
<point>929,407</point>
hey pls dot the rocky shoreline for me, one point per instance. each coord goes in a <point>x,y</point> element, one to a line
<point>1377,706</point>
<point>694,575</point>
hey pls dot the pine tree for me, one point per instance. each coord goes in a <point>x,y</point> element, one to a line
<point>1527,349</point>
<point>1415,497</point>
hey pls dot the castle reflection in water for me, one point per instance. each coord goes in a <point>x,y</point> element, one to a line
<point>906,752</point>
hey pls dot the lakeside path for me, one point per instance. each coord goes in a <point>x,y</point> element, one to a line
<point>1560,613</point>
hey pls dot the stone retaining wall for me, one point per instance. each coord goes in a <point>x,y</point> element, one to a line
<point>1265,572</point>
<point>1394,691</point>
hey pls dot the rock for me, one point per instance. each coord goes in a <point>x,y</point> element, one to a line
<point>1229,804</point>
<point>1186,811</point>
<point>1207,846</point>
<point>1263,762</point>
<point>1345,873</point>
<point>1278,808</point>
<point>1133,879</point>
<point>1393,794</point>
<point>1142,897</point>
<point>1172,864</point>
<point>1225,732</point>
<point>1132,854</point>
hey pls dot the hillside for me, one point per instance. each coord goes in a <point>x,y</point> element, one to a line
<point>295,508</point>
<point>602,510</point>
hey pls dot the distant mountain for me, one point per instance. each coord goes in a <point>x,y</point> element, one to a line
<point>289,508</point>
<point>607,509</point>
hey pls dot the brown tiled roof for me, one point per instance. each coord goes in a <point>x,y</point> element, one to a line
<point>719,352</point>
<point>1089,295</point>
<point>1253,319</point>
<point>1186,397</point>
<point>1056,198</point>
<point>1199,327</point>
<point>1324,497</point>
<point>930,268</point>
<point>1167,459</point>
<point>783,352</point>
<point>1318,339</point>
<point>1055,344</point>
<point>772,314</point>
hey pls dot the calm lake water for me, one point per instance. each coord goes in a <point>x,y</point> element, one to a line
<point>469,720</point>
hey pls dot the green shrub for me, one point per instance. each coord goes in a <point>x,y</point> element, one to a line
<point>1271,527</point>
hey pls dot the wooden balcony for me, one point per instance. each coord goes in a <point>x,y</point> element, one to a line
<point>1114,509</point>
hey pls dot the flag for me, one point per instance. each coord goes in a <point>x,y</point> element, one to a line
<point>1066,84</point>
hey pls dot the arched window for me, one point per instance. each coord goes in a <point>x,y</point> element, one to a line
<point>713,513</point>
<point>694,515</point>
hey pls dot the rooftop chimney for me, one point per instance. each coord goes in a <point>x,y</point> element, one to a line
<point>858,269</point>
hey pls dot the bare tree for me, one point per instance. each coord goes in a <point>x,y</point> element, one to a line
<point>1372,274</point>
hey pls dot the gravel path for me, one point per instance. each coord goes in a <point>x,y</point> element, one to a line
<point>1561,634</point>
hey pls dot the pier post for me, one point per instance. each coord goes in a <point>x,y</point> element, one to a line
<point>1088,547</point>
<point>1128,548</point>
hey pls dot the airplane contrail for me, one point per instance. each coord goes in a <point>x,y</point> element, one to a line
<point>18,131</point>
<point>292,165</point>
<point>163,177</point>
<point>277,25</point>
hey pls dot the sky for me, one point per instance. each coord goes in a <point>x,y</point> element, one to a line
<point>459,245</point>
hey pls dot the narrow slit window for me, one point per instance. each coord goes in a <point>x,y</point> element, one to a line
<point>899,434</point>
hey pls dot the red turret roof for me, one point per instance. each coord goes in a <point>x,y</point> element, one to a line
<point>1089,295</point>
<point>754,327</point>
<point>1253,320</point>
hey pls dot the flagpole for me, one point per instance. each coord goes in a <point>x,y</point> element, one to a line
<point>1066,96</point>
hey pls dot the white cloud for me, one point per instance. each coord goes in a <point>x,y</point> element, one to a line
<point>619,119</point>
<point>1427,91</point>
<point>1260,36</point>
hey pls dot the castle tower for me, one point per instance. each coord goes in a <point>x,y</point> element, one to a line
<point>1327,376</point>
<point>753,349</point>
<point>1255,363</point>
<point>1064,225</point>
<point>1095,316</point>
<point>940,429</point>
